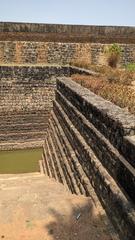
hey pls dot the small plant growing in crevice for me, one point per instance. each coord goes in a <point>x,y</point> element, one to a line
<point>130,67</point>
<point>113,53</point>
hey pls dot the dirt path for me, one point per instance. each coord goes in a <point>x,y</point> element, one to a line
<point>33,207</point>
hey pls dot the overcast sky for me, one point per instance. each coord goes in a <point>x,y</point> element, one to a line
<point>91,12</point>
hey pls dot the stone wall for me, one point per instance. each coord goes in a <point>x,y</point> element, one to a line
<point>91,142</point>
<point>26,95</point>
<point>22,52</point>
<point>23,43</point>
<point>42,52</point>
<point>98,55</point>
<point>66,33</point>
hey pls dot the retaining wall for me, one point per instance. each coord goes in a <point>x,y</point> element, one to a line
<point>26,95</point>
<point>22,52</point>
<point>91,141</point>
<point>66,33</point>
<point>24,43</point>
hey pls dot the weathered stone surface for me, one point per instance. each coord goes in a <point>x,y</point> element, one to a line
<point>66,33</point>
<point>55,43</point>
<point>25,52</point>
<point>89,142</point>
<point>110,119</point>
<point>25,104</point>
<point>85,144</point>
<point>26,97</point>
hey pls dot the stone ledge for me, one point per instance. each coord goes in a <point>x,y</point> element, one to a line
<point>102,113</point>
<point>109,156</point>
<point>22,145</point>
<point>113,122</point>
<point>117,205</point>
<point>128,148</point>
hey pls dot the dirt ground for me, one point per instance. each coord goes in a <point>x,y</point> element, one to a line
<point>34,207</point>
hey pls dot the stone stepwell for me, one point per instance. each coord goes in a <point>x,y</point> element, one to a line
<point>88,143</point>
<point>89,146</point>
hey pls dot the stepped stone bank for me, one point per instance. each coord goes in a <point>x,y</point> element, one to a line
<point>87,140</point>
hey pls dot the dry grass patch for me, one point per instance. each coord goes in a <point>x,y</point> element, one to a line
<point>116,85</point>
<point>117,91</point>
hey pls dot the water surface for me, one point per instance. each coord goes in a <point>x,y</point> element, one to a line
<point>20,161</point>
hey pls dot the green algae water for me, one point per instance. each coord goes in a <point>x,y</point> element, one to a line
<point>20,161</point>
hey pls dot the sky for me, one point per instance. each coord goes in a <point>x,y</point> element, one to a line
<point>85,12</point>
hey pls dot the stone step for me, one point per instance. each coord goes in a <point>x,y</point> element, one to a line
<point>24,115</point>
<point>109,156</point>
<point>77,168</point>
<point>27,127</point>
<point>57,159</point>
<point>54,161</point>
<point>45,164</point>
<point>8,181</point>
<point>29,143</point>
<point>22,136</point>
<point>64,161</point>
<point>56,152</point>
<point>19,176</point>
<point>60,174</point>
<point>69,156</point>
<point>51,157</point>
<point>33,111</point>
<point>54,156</point>
<point>114,200</point>
<point>48,157</point>
<point>23,119</point>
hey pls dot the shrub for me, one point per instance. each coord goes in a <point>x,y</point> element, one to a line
<point>113,53</point>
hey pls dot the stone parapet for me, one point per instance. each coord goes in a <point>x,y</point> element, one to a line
<point>66,33</point>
